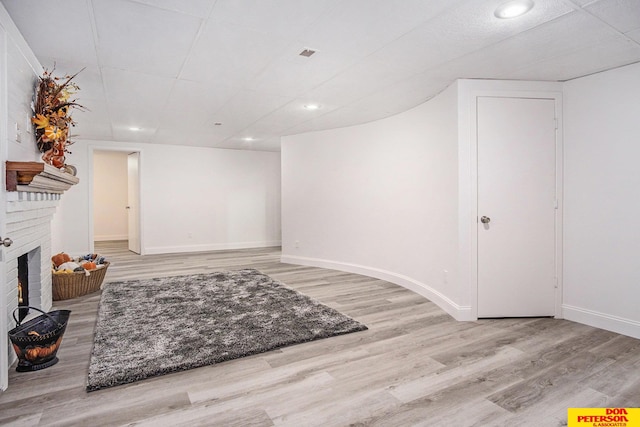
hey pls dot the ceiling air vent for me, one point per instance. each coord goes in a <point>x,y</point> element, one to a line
<point>307,52</point>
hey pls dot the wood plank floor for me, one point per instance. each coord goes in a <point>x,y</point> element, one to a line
<point>414,366</point>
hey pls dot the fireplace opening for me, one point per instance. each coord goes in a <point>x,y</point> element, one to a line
<point>23,286</point>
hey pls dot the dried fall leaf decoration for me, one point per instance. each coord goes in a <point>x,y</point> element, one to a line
<point>52,118</point>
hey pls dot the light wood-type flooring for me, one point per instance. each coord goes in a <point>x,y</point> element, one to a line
<point>414,366</point>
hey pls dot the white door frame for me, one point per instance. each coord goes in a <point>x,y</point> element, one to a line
<point>472,220</point>
<point>120,149</point>
<point>4,348</point>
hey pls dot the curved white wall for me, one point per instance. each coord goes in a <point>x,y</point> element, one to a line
<point>379,199</point>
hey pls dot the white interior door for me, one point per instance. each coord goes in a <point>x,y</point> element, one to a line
<point>516,207</point>
<point>133,201</point>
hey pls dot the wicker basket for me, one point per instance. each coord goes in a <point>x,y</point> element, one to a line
<point>72,285</point>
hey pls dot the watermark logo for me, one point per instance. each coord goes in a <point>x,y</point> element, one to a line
<point>603,417</point>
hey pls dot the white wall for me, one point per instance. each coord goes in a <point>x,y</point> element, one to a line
<point>397,198</point>
<point>23,71</point>
<point>192,198</point>
<point>19,71</point>
<point>110,195</point>
<point>378,199</point>
<point>602,200</point>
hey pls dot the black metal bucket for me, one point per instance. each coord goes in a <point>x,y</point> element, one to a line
<point>37,341</point>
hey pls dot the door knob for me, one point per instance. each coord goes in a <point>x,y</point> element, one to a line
<point>6,242</point>
<point>485,219</point>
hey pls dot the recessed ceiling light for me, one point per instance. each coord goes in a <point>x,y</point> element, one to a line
<point>248,138</point>
<point>135,129</point>
<point>513,9</point>
<point>311,106</point>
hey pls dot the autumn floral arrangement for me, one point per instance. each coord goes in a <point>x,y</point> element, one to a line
<point>52,116</point>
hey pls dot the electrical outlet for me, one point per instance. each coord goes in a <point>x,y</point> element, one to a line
<point>189,235</point>
<point>445,276</point>
<point>297,244</point>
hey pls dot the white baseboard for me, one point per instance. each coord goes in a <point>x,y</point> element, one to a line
<point>110,237</point>
<point>602,320</point>
<point>454,310</point>
<point>209,247</point>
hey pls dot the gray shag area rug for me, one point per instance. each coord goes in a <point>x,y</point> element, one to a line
<point>158,326</point>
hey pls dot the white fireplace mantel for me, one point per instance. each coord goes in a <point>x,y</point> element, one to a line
<point>38,177</point>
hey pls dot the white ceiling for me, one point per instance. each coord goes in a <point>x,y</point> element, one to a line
<point>176,67</point>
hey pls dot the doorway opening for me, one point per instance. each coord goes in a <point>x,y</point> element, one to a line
<point>116,198</point>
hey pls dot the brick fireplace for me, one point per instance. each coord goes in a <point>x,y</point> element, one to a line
<point>34,190</point>
<point>28,220</point>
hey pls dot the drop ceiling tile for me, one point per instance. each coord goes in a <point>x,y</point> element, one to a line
<point>223,53</point>
<point>136,37</point>
<point>456,34</point>
<point>369,73</point>
<point>92,131</point>
<point>199,8</point>
<point>95,110</point>
<point>123,134</point>
<point>88,78</point>
<point>266,144</point>
<point>290,115</point>
<point>292,74</point>
<point>377,73</point>
<point>564,35</point>
<point>473,67</point>
<point>413,52</point>
<point>403,95</point>
<point>266,129</point>
<point>272,144</point>
<point>283,18</point>
<point>471,27</point>
<point>339,90</point>
<point>583,2</point>
<point>136,89</point>
<point>248,137</point>
<point>246,107</point>
<point>94,122</point>
<point>309,126</point>
<point>262,130</point>
<point>634,35</point>
<point>55,31</point>
<point>341,117</point>
<point>193,104</point>
<point>592,59</point>
<point>360,27</point>
<point>193,138</point>
<point>624,15</point>
<point>125,116</point>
